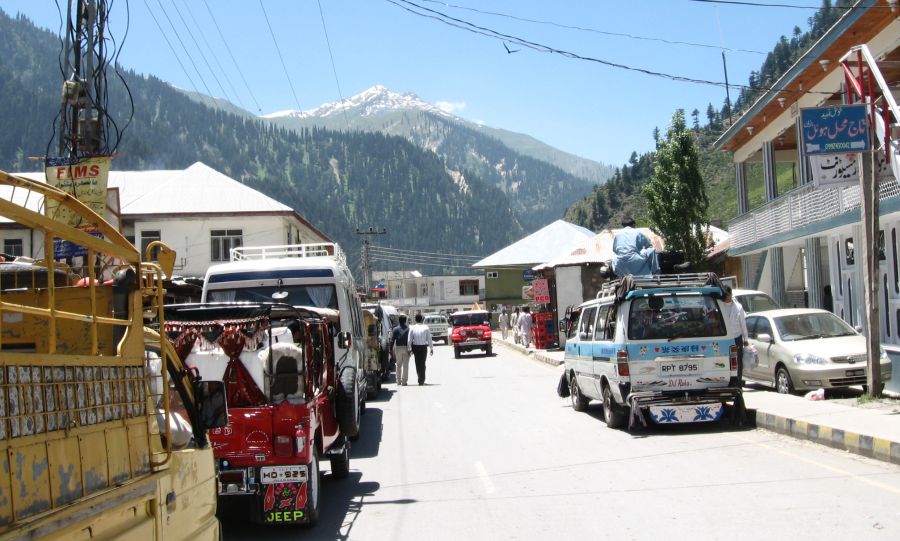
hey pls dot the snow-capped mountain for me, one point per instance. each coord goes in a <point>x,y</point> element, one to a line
<point>371,102</point>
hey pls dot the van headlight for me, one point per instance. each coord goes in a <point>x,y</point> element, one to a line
<point>809,358</point>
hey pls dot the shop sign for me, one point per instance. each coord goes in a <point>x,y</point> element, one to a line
<point>541,291</point>
<point>528,275</point>
<point>840,129</point>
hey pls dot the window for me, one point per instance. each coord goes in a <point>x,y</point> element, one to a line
<point>848,248</point>
<point>894,257</point>
<point>13,247</point>
<point>492,274</point>
<point>222,241</point>
<point>881,246</point>
<point>146,238</point>
<point>468,287</point>
<point>600,328</point>
<point>678,316</point>
<point>837,256</point>
<point>586,325</point>
<point>887,313</point>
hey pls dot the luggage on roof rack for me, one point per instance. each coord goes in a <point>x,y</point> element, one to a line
<point>620,287</point>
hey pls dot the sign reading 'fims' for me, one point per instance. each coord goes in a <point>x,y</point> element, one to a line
<point>840,129</point>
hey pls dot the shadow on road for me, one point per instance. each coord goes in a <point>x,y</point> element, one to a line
<point>371,429</point>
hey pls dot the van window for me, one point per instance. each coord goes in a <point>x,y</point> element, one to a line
<point>600,328</point>
<point>317,296</point>
<point>677,316</point>
<point>586,325</point>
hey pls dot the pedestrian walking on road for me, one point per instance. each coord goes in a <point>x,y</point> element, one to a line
<point>420,345</point>
<point>504,323</point>
<point>400,345</point>
<point>525,324</point>
<point>514,322</point>
<point>737,319</point>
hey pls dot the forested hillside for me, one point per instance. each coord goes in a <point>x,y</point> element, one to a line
<point>607,204</point>
<point>338,181</point>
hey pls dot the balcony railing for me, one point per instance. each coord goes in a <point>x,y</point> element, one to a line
<point>798,208</point>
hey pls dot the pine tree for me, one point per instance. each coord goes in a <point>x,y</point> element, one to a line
<point>676,195</point>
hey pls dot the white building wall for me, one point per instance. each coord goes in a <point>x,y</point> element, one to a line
<point>190,237</point>
<point>568,287</point>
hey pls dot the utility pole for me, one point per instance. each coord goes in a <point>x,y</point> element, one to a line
<point>81,119</point>
<point>367,267</point>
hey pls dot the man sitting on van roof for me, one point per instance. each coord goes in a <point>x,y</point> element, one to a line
<point>634,253</point>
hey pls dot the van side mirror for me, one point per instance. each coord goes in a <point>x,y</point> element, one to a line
<point>345,340</point>
<point>211,403</point>
<point>764,337</point>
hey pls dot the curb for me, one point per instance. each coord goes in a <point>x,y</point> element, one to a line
<point>843,440</point>
<point>536,355</point>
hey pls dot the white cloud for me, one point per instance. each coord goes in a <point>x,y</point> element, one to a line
<point>450,106</point>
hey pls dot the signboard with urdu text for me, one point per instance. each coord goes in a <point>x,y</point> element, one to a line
<point>839,129</point>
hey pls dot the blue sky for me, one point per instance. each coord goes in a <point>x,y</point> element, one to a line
<point>582,107</point>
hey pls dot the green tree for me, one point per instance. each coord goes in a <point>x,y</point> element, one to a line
<point>676,196</point>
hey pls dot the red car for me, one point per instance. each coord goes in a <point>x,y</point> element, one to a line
<point>471,330</point>
<point>285,402</point>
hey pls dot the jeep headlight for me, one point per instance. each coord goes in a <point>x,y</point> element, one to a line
<point>809,358</point>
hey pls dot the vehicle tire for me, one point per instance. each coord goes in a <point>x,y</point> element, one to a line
<point>613,415</point>
<point>312,490</point>
<point>347,402</point>
<point>783,383</point>
<point>456,353</point>
<point>340,464</point>
<point>579,401</point>
<point>384,365</point>
<point>488,351</point>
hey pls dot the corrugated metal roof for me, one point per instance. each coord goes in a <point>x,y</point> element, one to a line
<point>199,189</point>
<point>538,247</point>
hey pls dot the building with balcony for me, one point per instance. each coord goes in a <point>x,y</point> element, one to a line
<point>412,292</point>
<point>799,229</point>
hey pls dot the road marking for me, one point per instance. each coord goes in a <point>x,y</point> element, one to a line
<point>486,482</point>
<point>834,469</point>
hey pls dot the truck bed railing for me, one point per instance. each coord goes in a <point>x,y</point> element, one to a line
<point>322,249</point>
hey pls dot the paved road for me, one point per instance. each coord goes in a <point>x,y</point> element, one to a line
<point>486,450</point>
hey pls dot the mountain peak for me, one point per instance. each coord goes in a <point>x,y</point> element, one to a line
<point>369,102</point>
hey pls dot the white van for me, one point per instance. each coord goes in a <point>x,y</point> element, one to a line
<point>657,345</point>
<point>314,275</point>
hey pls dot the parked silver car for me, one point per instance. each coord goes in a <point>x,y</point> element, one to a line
<point>805,348</point>
<point>438,324</point>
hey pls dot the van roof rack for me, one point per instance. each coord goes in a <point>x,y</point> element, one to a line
<point>621,286</point>
<point>322,249</point>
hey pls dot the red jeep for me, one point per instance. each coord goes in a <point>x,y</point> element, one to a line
<point>284,402</point>
<point>471,330</point>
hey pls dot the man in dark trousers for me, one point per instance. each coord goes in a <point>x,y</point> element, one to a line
<point>420,345</point>
<point>400,344</point>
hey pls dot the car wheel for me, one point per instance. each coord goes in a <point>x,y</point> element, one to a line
<point>611,412</point>
<point>312,489</point>
<point>783,383</point>
<point>347,402</point>
<point>579,401</point>
<point>456,353</point>
<point>340,464</point>
<point>488,351</point>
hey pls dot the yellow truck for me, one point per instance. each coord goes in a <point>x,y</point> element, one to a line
<point>102,429</point>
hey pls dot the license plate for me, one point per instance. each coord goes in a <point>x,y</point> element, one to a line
<point>282,474</point>
<point>857,372</point>
<point>686,414</point>
<point>684,367</point>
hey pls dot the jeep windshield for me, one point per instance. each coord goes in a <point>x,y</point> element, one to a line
<point>675,316</point>
<point>317,296</point>
<point>468,320</point>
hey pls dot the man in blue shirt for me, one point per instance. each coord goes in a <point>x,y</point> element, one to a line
<point>634,253</point>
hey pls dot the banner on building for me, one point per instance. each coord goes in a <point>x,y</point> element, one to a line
<point>838,129</point>
<point>541,291</point>
<point>85,178</point>
<point>834,170</point>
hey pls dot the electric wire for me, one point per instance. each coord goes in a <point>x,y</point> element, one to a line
<point>186,52</point>
<point>788,6</point>
<point>417,252</point>
<point>333,68</point>
<point>200,50</point>
<point>461,24</point>
<point>593,30</point>
<point>231,54</point>
<point>280,57</point>
<point>171,47</point>
<point>212,53</point>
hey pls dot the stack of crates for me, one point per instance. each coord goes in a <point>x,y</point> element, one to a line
<point>544,331</point>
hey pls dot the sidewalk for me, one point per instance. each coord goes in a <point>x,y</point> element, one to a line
<point>874,433</point>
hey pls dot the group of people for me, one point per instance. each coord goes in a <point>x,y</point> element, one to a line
<point>520,324</point>
<point>411,340</point>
